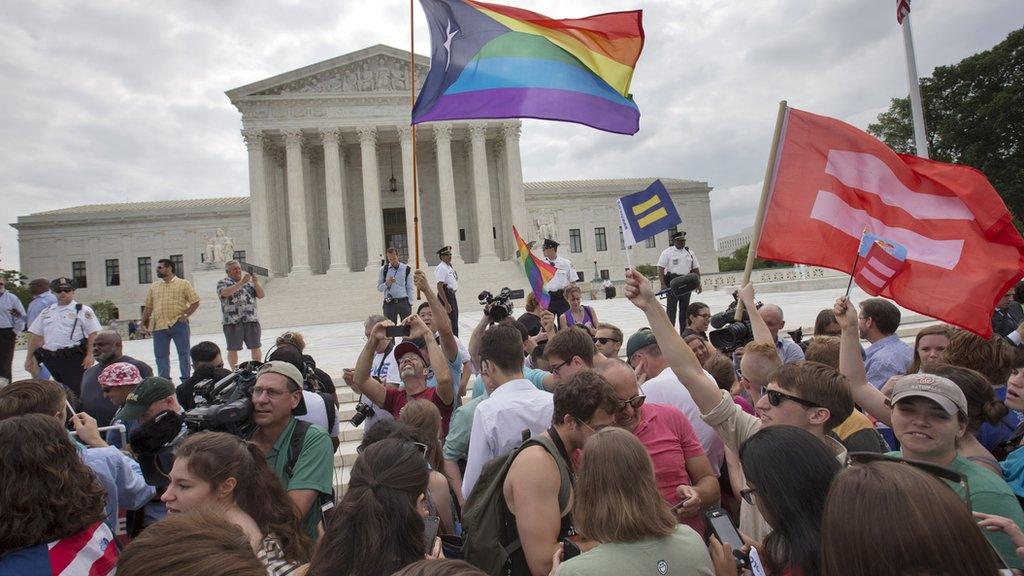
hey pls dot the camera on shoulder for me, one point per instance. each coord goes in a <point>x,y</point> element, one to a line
<point>224,405</point>
<point>499,307</point>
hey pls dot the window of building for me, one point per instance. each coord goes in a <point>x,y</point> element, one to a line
<point>622,240</point>
<point>179,265</point>
<point>494,232</point>
<point>462,234</point>
<point>600,239</point>
<point>650,243</point>
<point>240,255</point>
<point>575,241</point>
<point>579,276</point>
<point>113,272</point>
<point>145,270</point>
<point>672,231</point>
<point>78,274</point>
<point>604,275</point>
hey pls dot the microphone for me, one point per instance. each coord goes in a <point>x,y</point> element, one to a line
<point>681,285</point>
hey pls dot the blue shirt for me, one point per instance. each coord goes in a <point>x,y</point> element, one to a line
<point>122,479</point>
<point>536,377</point>
<point>886,358</point>
<point>7,320</point>
<point>789,351</point>
<point>38,304</point>
<point>402,287</point>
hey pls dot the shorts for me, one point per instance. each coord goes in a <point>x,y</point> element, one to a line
<point>247,332</point>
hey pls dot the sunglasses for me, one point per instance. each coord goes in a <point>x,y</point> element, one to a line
<point>775,397</point>
<point>64,290</point>
<point>940,472</point>
<point>636,402</point>
<point>605,340</point>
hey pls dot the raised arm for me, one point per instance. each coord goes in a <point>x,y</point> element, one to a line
<point>851,364</point>
<point>362,383</point>
<point>441,320</point>
<point>757,325</point>
<point>438,362</point>
<point>477,336</point>
<point>684,364</point>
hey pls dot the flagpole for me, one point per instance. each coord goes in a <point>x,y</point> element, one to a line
<point>916,110</point>
<point>769,175</point>
<point>412,104</point>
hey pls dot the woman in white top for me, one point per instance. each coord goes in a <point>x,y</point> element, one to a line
<point>220,472</point>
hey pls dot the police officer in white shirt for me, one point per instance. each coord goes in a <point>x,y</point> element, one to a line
<point>677,260</point>
<point>12,321</point>
<point>565,274</point>
<point>447,286</point>
<point>62,337</point>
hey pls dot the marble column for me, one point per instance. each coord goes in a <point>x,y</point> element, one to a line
<point>371,195</point>
<point>405,136</point>
<point>297,221</point>
<point>335,192</point>
<point>514,177</point>
<point>482,193</point>
<point>259,208</point>
<point>446,184</point>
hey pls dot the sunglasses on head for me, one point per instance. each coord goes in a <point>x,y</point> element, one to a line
<point>775,397</point>
<point>940,472</point>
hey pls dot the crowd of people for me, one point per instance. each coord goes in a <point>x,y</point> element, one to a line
<point>548,443</point>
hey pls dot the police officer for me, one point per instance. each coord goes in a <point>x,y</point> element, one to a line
<point>677,260</point>
<point>565,274</point>
<point>447,285</point>
<point>62,337</point>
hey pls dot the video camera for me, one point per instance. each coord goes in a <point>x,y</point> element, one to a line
<point>224,405</point>
<point>731,334</point>
<point>499,307</point>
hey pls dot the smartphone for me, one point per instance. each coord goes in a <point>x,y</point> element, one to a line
<point>430,525</point>
<point>723,528</point>
<point>397,331</point>
<point>569,549</point>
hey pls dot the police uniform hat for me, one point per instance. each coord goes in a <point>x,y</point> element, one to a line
<point>446,251</point>
<point>549,243</point>
<point>62,283</point>
<point>679,234</point>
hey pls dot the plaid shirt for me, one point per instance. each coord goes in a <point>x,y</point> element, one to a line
<point>169,300</point>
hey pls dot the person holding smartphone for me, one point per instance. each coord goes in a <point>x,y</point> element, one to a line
<point>617,505</point>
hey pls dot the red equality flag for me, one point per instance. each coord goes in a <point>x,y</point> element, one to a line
<point>833,181</point>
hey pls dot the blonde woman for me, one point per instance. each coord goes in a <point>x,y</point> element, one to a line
<point>577,314</point>
<point>617,505</point>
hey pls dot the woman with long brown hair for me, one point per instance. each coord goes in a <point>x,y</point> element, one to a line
<point>891,519</point>
<point>424,421</point>
<point>930,346</point>
<point>617,504</point>
<point>50,501</point>
<point>220,472</point>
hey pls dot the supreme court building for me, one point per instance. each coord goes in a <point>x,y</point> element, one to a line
<point>330,157</point>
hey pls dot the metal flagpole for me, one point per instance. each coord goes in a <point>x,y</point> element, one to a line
<point>916,111</point>
<point>412,103</point>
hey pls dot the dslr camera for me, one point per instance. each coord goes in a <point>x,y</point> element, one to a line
<point>499,307</point>
<point>363,411</point>
<point>224,405</point>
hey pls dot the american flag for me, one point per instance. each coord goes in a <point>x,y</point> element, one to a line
<point>902,10</point>
<point>90,552</point>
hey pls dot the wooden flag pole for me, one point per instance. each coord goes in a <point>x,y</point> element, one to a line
<point>762,205</point>
<point>412,103</point>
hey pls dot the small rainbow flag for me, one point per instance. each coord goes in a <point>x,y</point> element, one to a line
<point>538,272</point>
<point>493,61</point>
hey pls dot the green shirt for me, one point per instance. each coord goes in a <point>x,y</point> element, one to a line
<point>681,554</point>
<point>456,444</point>
<point>314,470</point>
<point>990,495</point>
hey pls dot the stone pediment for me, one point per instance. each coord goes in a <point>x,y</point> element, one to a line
<point>378,69</point>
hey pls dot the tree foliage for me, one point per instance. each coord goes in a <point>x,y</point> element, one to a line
<point>974,113</point>
<point>105,311</point>
<point>16,283</point>
<point>738,261</point>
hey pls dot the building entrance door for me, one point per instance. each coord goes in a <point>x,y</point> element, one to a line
<point>394,232</point>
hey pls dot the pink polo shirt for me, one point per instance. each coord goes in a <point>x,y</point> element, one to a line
<point>670,440</point>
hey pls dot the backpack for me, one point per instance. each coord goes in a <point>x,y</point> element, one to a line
<point>294,451</point>
<point>483,517</point>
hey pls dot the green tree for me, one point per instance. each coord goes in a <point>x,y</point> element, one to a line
<point>105,311</point>
<point>974,112</point>
<point>738,261</point>
<point>648,270</point>
<point>16,283</point>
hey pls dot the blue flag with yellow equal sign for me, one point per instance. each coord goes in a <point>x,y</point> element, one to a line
<point>647,213</point>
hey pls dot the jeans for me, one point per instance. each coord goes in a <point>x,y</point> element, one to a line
<point>179,332</point>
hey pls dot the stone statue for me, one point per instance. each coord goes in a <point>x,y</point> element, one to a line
<point>219,248</point>
<point>546,224</point>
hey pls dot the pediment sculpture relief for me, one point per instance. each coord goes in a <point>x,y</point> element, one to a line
<point>375,74</point>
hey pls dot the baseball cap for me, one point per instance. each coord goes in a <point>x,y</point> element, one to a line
<point>290,372</point>
<point>120,374</point>
<point>940,390</point>
<point>640,339</point>
<point>407,347</point>
<point>150,390</point>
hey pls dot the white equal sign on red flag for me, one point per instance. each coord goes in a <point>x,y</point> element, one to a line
<point>879,261</point>
<point>902,10</point>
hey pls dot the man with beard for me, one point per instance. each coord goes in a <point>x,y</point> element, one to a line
<point>169,302</point>
<point>107,349</point>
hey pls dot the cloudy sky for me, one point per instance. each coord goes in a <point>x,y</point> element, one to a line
<point>108,101</point>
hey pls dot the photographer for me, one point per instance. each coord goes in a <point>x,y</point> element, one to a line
<point>238,294</point>
<point>766,323</point>
<point>299,453</point>
<point>413,364</point>
<point>320,407</point>
<point>207,364</point>
<point>395,282</point>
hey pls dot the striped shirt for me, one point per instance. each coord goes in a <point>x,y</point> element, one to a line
<point>272,556</point>
<point>169,300</point>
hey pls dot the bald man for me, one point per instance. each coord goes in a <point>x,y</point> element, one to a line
<point>789,351</point>
<point>107,349</point>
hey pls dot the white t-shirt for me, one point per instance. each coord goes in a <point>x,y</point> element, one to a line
<point>665,388</point>
<point>316,413</point>
<point>676,261</point>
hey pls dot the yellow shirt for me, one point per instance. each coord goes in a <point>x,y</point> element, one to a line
<point>169,300</point>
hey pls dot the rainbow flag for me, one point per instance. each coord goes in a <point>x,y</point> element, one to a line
<point>493,61</point>
<point>538,272</point>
